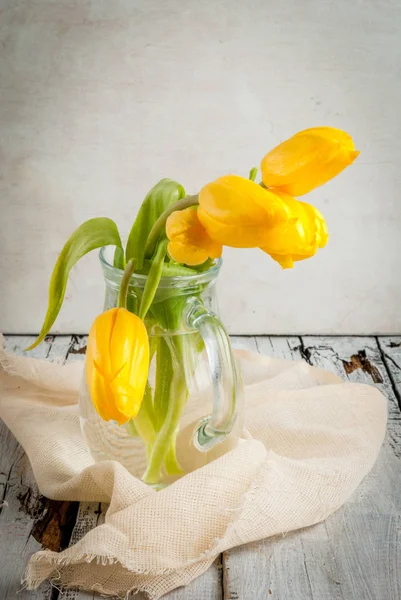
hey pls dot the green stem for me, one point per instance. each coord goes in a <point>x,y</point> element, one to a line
<point>145,420</point>
<point>160,224</point>
<point>171,463</point>
<point>123,293</point>
<point>252,173</point>
<point>165,441</point>
<point>144,423</point>
<point>163,383</point>
<point>153,279</point>
<point>164,394</point>
<point>131,428</point>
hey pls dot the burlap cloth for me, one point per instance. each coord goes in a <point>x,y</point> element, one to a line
<point>309,439</point>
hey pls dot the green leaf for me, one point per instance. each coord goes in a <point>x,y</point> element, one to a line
<point>208,264</point>
<point>159,198</point>
<point>92,234</point>
<point>118,260</point>
<point>169,269</point>
<point>153,279</point>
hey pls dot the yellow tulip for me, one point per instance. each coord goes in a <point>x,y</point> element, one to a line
<point>299,237</point>
<point>117,364</point>
<point>189,241</point>
<point>237,212</point>
<point>307,160</point>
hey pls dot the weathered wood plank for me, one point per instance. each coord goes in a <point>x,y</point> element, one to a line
<point>18,343</point>
<point>28,521</point>
<point>242,342</point>
<point>391,352</point>
<point>272,568</point>
<point>38,518</point>
<point>358,359</point>
<point>77,348</point>
<point>289,348</point>
<point>206,587</point>
<point>365,532</point>
<point>354,554</point>
<point>254,571</point>
<point>90,514</point>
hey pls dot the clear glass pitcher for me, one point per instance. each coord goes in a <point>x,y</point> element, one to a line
<point>191,410</point>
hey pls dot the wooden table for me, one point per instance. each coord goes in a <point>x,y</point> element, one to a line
<point>354,555</point>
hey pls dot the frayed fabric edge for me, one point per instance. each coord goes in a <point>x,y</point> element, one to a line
<point>97,587</point>
<point>215,547</point>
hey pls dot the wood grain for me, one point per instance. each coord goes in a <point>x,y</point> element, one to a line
<point>354,554</point>
<point>28,521</point>
<point>391,353</point>
<point>360,360</point>
<point>365,532</point>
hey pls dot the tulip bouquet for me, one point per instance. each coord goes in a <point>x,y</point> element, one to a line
<point>178,235</point>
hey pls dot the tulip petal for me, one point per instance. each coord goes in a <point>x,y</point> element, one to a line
<point>307,160</point>
<point>237,212</point>
<point>330,133</point>
<point>299,238</point>
<point>117,364</point>
<point>190,243</point>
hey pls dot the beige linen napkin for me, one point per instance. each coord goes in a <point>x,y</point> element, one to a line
<point>309,439</point>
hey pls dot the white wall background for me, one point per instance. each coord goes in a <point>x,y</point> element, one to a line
<point>99,99</point>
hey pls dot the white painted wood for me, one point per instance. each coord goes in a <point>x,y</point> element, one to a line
<point>77,348</point>
<point>289,348</point>
<point>244,343</point>
<point>21,505</point>
<point>391,351</point>
<point>102,99</point>
<point>16,523</point>
<point>358,359</point>
<point>365,533</point>
<point>18,345</point>
<point>274,567</point>
<point>206,587</point>
<point>355,553</point>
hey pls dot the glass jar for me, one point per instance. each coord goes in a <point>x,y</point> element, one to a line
<point>191,410</point>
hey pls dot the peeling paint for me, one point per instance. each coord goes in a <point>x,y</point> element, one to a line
<point>53,519</point>
<point>361,361</point>
<point>81,350</point>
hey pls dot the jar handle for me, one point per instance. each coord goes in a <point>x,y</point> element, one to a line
<point>226,381</point>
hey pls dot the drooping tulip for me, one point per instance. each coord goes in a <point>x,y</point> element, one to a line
<point>307,160</point>
<point>299,237</point>
<point>189,241</point>
<point>237,212</point>
<point>117,364</point>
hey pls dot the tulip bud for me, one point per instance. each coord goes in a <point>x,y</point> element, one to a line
<point>117,364</point>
